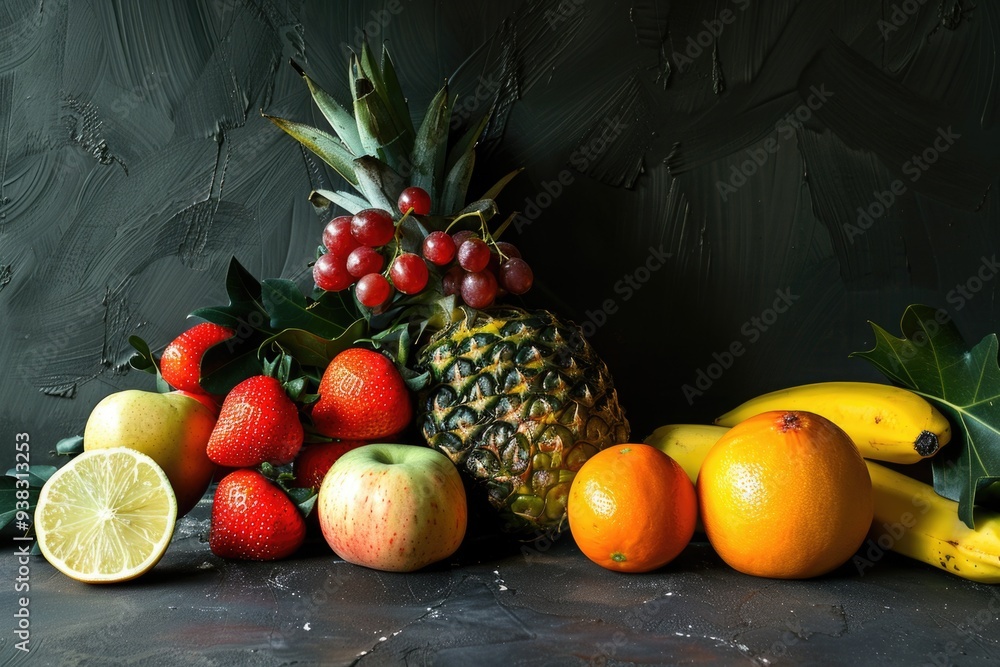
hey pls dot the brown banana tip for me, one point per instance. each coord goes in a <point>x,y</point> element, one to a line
<point>926,444</point>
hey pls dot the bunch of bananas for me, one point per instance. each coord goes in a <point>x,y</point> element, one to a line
<point>887,424</point>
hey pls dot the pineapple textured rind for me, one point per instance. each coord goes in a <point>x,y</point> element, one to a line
<point>518,400</point>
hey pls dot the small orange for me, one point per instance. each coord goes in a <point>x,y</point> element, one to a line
<point>785,494</point>
<point>632,508</point>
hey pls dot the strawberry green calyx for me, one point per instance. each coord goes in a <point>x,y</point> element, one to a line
<point>283,477</point>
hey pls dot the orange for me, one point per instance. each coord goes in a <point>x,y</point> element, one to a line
<point>632,508</point>
<point>786,495</point>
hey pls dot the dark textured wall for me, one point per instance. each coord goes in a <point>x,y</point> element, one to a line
<point>694,173</point>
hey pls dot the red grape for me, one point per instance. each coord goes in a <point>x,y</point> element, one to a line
<point>337,236</point>
<point>516,276</point>
<point>508,250</point>
<point>415,198</point>
<point>474,255</point>
<point>409,273</point>
<point>330,273</point>
<point>462,236</point>
<point>494,264</point>
<point>479,289</point>
<point>439,248</point>
<point>373,290</point>
<point>373,227</point>
<point>364,260</point>
<point>452,281</point>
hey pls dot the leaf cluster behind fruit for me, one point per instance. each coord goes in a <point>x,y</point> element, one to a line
<point>933,360</point>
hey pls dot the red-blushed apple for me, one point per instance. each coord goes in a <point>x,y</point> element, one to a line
<point>172,429</point>
<point>396,508</point>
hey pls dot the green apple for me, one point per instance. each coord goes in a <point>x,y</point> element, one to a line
<point>393,507</point>
<point>172,429</point>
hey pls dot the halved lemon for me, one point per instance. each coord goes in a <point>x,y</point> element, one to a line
<point>106,516</point>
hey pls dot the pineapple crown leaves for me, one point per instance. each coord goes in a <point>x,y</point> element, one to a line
<point>377,149</point>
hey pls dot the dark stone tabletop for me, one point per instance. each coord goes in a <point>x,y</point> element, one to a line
<point>499,603</point>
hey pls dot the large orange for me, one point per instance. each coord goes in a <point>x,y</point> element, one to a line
<point>632,508</point>
<point>785,494</point>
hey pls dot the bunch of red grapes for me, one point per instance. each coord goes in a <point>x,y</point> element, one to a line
<point>357,249</point>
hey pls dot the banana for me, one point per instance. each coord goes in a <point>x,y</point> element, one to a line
<point>688,444</point>
<point>911,519</point>
<point>886,423</point>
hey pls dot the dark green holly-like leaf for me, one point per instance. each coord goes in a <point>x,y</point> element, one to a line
<point>144,360</point>
<point>288,308</point>
<point>245,309</point>
<point>226,364</point>
<point>310,349</point>
<point>933,360</point>
<point>231,361</point>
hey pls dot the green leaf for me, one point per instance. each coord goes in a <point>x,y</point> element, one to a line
<point>144,360</point>
<point>348,201</point>
<point>370,69</point>
<point>289,309</point>
<point>340,119</point>
<point>430,148</point>
<point>397,100</point>
<point>304,499</point>
<point>412,234</point>
<point>484,209</point>
<point>36,475</point>
<point>229,362</point>
<point>310,349</point>
<point>498,187</point>
<point>933,360</point>
<point>8,503</point>
<point>378,183</point>
<point>11,487</point>
<point>226,364</point>
<point>70,446</point>
<point>378,132</point>
<point>245,308</point>
<point>457,183</point>
<point>328,147</point>
<point>467,144</point>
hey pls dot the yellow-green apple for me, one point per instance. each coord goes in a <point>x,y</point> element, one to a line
<point>393,507</point>
<point>172,429</point>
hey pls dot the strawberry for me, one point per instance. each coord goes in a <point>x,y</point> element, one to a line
<point>258,422</point>
<point>253,519</point>
<point>180,364</point>
<point>362,397</point>
<point>313,462</point>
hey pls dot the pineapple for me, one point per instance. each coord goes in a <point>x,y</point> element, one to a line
<point>518,400</point>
